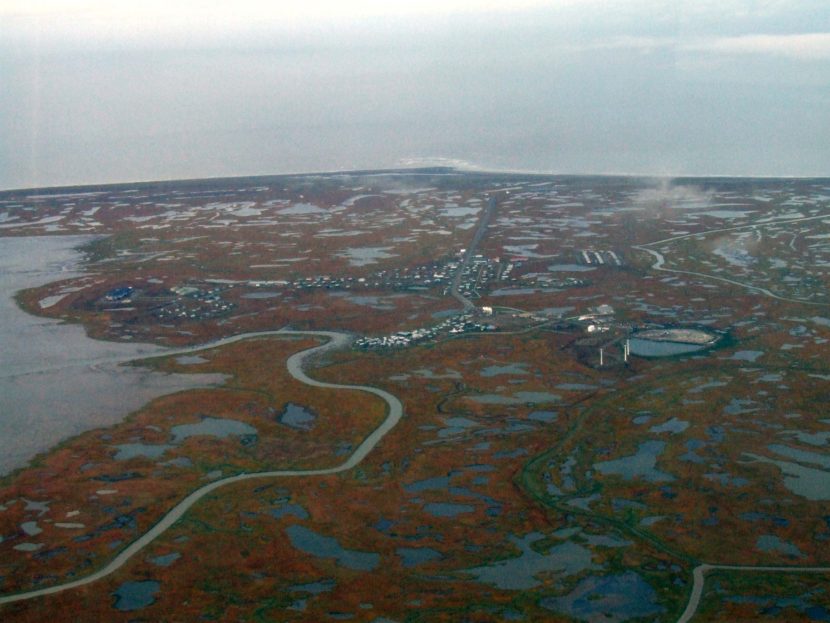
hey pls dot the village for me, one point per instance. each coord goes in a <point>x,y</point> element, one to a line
<point>635,374</point>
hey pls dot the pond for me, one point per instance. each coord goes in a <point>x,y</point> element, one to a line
<point>726,479</point>
<point>363,256</point>
<point>426,373</point>
<point>302,209</point>
<point>747,355</point>
<point>455,212</point>
<point>429,484</point>
<point>519,573</point>
<point>516,399</point>
<point>381,303</point>
<point>576,387</point>
<point>813,439</point>
<point>608,599</point>
<point>727,214</point>
<point>212,427</point>
<point>570,268</point>
<point>802,456</point>
<point>447,509</point>
<point>136,595</point>
<point>413,556</point>
<point>289,510</point>
<point>321,546</point>
<point>314,588</point>
<point>772,544</point>
<point>639,465</point>
<point>456,426</point>
<point>543,416</point>
<point>674,426</point>
<point>165,560</point>
<point>653,348</point>
<point>511,368</point>
<point>810,483</point>
<point>190,360</point>
<point>297,416</point>
<point>261,295</point>
<point>128,451</point>
<point>738,406</point>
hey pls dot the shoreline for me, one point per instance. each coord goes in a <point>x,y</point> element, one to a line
<point>296,367</point>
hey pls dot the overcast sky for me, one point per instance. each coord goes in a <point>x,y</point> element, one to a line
<point>106,91</point>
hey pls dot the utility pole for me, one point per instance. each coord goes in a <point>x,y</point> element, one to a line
<point>600,357</point>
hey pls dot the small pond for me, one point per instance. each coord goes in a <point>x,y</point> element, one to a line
<point>770,543</point>
<point>136,595</point>
<point>609,599</point>
<point>516,399</point>
<point>570,268</point>
<point>810,483</point>
<point>189,360</point>
<point>363,256</point>
<point>413,556</point>
<point>519,573</point>
<point>165,560</point>
<point>128,451</point>
<point>213,427</point>
<point>321,546</point>
<point>639,465</point>
<point>511,368</point>
<point>447,509</point>
<point>543,416</point>
<point>297,416</point>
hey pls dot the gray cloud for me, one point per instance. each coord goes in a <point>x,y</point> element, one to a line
<point>591,87</point>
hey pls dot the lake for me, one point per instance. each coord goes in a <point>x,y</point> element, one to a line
<point>55,382</point>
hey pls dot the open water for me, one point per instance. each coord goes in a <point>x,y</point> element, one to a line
<point>55,382</point>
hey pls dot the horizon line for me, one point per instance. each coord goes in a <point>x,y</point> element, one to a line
<point>456,168</point>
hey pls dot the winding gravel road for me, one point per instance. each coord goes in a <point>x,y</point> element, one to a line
<point>295,368</point>
<point>660,260</point>
<point>699,573</point>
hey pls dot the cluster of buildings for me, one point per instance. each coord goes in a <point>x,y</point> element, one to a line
<point>194,304</point>
<point>599,319</point>
<point>478,272</point>
<point>419,277</point>
<point>186,303</point>
<point>416,278</point>
<point>598,258</point>
<point>461,323</point>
